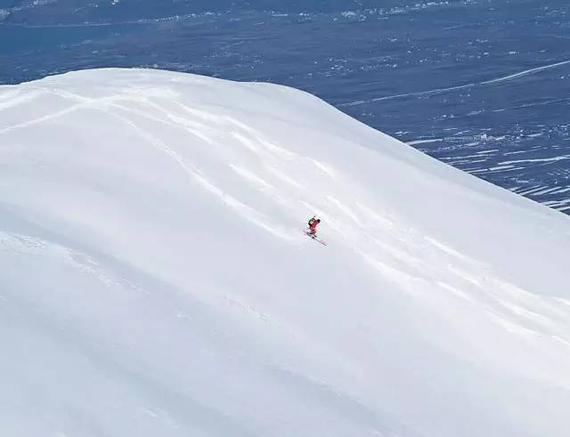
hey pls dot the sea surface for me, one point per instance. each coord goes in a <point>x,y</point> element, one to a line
<point>482,85</point>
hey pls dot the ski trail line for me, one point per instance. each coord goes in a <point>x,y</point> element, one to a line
<point>459,87</point>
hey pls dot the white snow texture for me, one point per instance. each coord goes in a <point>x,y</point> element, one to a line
<point>155,279</point>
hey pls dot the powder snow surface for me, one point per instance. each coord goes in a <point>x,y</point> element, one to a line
<point>155,279</point>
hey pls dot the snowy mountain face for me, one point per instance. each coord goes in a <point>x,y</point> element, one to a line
<point>155,279</point>
<point>482,85</point>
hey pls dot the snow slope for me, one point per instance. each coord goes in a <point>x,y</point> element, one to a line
<point>155,280</point>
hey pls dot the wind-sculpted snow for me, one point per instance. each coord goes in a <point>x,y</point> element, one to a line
<point>155,279</point>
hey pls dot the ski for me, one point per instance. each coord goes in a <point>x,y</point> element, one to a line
<point>314,237</point>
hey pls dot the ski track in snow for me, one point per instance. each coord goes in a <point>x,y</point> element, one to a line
<point>501,79</point>
<point>104,104</point>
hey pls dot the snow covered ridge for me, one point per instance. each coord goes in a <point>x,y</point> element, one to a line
<point>155,279</point>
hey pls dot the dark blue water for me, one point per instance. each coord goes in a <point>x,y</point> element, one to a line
<point>480,84</point>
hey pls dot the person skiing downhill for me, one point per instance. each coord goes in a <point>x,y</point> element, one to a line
<point>313,223</point>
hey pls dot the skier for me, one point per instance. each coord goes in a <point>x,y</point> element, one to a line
<point>313,223</point>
